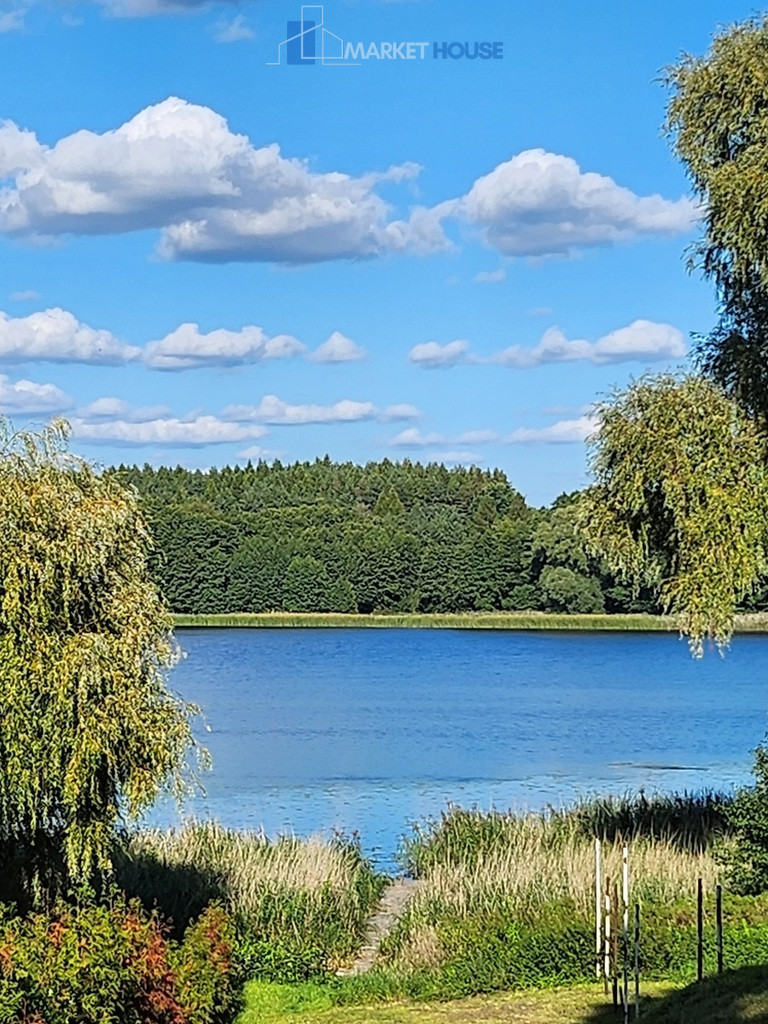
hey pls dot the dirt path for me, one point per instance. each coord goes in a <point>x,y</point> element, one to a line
<point>391,906</point>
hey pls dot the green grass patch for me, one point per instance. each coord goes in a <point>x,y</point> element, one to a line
<point>582,1004</point>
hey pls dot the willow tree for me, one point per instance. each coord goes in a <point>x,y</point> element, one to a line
<point>680,499</point>
<point>89,733</point>
<point>717,119</point>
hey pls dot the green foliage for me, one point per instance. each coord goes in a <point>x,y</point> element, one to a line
<point>89,733</point>
<point>746,857</point>
<point>680,499</point>
<point>382,538</point>
<point>98,963</point>
<point>299,905</point>
<point>718,120</point>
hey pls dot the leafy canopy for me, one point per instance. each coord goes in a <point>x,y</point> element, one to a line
<point>680,499</point>
<point>89,733</point>
<point>717,118</point>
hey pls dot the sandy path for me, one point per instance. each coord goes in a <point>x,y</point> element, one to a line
<point>391,906</point>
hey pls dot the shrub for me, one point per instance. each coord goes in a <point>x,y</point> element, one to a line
<point>96,963</point>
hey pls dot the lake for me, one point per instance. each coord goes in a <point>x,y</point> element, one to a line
<point>370,729</point>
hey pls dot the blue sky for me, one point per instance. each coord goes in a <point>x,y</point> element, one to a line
<point>207,257</point>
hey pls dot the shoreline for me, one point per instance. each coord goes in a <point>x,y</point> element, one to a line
<point>756,622</point>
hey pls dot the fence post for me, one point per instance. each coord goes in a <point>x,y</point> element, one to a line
<point>607,935</point>
<point>719,924</point>
<point>598,907</point>
<point>700,930</point>
<point>637,960</point>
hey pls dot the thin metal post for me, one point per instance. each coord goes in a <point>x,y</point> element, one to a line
<point>700,930</point>
<point>719,923</point>
<point>637,960</point>
<point>625,888</point>
<point>616,924</point>
<point>598,906</point>
<point>607,936</point>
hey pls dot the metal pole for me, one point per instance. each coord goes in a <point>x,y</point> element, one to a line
<point>700,930</point>
<point>637,960</point>
<point>598,907</point>
<point>607,934</point>
<point>719,921</point>
<point>625,887</point>
<point>615,946</point>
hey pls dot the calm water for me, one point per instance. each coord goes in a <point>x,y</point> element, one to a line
<point>314,729</point>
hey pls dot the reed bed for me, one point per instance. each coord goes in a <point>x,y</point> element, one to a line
<point>294,892</point>
<point>756,622</point>
<point>530,870</point>
<point>415,620</point>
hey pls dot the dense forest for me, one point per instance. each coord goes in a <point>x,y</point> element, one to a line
<point>387,536</point>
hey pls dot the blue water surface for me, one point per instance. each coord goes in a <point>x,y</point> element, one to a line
<point>313,730</point>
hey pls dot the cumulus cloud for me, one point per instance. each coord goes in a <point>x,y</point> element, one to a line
<point>490,276</point>
<point>187,348</point>
<point>411,437</point>
<point>235,31</point>
<point>642,340</point>
<point>338,349</point>
<point>25,396</point>
<point>169,430</point>
<point>255,452</point>
<point>401,411</point>
<point>432,355</point>
<point>177,167</point>
<point>562,432</point>
<point>57,336</point>
<point>274,410</point>
<point>148,8</point>
<point>25,296</point>
<point>541,204</point>
<point>116,408</point>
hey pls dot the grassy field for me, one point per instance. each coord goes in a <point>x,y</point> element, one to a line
<point>753,623</point>
<point>584,1004</point>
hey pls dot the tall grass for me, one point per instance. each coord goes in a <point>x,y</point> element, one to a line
<point>416,620</point>
<point>536,868</point>
<point>756,622</point>
<point>309,895</point>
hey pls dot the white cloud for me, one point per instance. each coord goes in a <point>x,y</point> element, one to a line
<point>540,204</point>
<point>187,348</point>
<point>13,20</point>
<point>414,438</point>
<point>171,431</point>
<point>25,396</point>
<point>235,31</point>
<point>338,349</point>
<point>274,410</point>
<point>57,336</point>
<point>148,8</point>
<point>490,276</point>
<point>401,411</point>
<point>255,452</point>
<point>431,354</point>
<point>176,166</point>
<point>457,457</point>
<point>562,432</point>
<point>642,340</point>
<point>25,296</point>
<point>116,408</point>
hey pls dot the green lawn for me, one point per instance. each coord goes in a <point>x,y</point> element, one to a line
<point>310,1004</point>
<point>757,622</point>
<point>739,997</point>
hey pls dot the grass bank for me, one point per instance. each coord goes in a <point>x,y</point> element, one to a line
<point>753,623</point>
<point>267,1003</point>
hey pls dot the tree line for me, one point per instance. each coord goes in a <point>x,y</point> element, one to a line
<point>384,537</point>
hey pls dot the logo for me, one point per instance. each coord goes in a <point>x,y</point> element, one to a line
<point>309,42</point>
